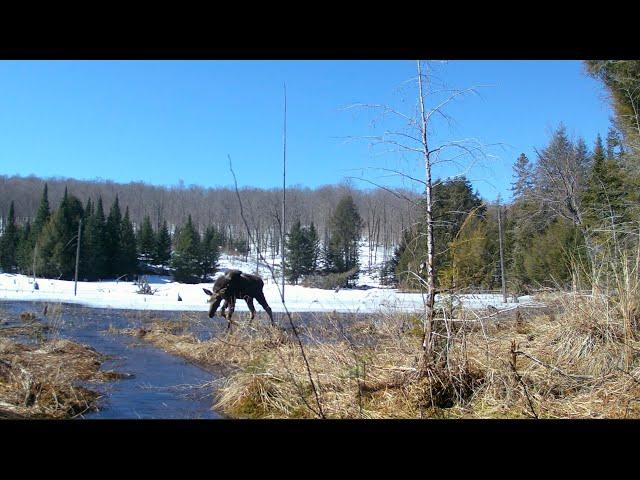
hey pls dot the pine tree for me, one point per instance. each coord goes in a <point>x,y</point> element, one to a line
<point>127,257</point>
<point>147,243</point>
<point>9,243</point>
<point>163,246</point>
<point>113,234</point>
<point>186,256</point>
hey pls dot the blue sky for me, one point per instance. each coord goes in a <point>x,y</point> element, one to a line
<point>169,121</point>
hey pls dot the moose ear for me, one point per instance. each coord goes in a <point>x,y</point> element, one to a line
<point>208,292</point>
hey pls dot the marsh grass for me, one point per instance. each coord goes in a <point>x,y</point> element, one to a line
<point>43,379</point>
<point>574,359</point>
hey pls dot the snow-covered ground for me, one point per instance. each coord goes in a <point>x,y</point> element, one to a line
<point>112,294</point>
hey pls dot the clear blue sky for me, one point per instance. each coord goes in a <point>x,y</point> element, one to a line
<point>166,121</point>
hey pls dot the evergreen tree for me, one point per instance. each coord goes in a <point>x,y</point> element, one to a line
<point>9,243</point>
<point>294,245</point>
<point>58,239</point>
<point>345,228</point>
<point>605,196</point>
<point>614,144</point>
<point>186,256</point>
<point>163,245</point>
<point>112,236</point>
<point>94,257</point>
<point>210,252</point>
<point>43,215</point>
<point>523,177</point>
<point>453,201</point>
<point>127,256</point>
<point>548,259</point>
<point>24,252</point>
<point>28,244</point>
<point>147,243</point>
<point>313,250</point>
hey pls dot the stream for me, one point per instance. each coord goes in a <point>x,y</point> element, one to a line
<point>159,385</point>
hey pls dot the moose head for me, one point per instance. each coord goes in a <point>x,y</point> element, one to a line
<point>220,290</point>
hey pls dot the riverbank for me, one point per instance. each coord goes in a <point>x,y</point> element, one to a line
<point>568,361</point>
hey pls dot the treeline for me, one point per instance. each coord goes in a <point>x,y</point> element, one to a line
<point>570,206</point>
<point>110,246</point>
<point>384,215</point>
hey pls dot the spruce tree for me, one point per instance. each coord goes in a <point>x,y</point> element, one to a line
<point>9,242</point>
<point>186,256</point>
<point>210,252</point>
<point>523,177</point>
<point>24,252</point>
<point>294,245</point>
<point>313,250</point>
<point>604,198</point>
<point>146,240</point>
<point>113,234</point>
<point>127,256</point>
<point>94,256</point>
<point>43,215</point>
<point>345,226</point>
<point>58,239</point>
<point>163,246</point>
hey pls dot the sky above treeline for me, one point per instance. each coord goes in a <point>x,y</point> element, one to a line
<point>176,122</point>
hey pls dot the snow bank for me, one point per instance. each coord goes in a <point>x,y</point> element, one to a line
<point>122,295</point>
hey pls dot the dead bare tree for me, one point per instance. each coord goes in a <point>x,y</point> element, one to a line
<point>414,139</point>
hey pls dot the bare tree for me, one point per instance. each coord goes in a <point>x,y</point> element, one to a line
<point>413,138</point>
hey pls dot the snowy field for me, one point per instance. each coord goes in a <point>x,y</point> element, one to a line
<point>113,294</point>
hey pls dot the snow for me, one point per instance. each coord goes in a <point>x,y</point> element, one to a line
<point>122,295</point>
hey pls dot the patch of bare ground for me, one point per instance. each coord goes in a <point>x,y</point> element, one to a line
<point>40,380</point>
<point>574,360</point>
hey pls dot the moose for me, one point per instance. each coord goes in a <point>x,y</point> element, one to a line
<point>233,285</point>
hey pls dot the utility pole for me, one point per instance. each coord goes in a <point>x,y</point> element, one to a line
<point>284,185</point>
<point>35,254</point>
<point>504,287</point>
<point>75,285</point>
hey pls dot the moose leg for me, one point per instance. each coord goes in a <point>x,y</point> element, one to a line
<point>223,307</point>
<point>252,309</point>
<point>263,301</point>
<point>232,307</point>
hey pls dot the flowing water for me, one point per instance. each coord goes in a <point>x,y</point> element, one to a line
<point>158,385</point>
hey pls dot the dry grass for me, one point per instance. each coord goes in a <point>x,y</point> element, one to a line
<point>40,380</point>
<point>573,364</point>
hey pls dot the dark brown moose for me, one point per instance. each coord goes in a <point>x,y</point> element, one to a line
<point>233,285</point>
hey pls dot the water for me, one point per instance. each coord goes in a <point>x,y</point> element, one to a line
<point>161,386</point>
